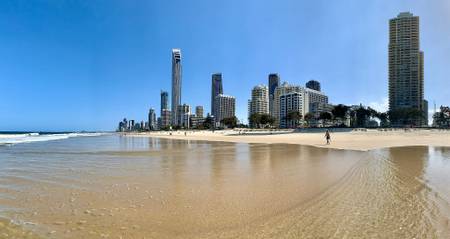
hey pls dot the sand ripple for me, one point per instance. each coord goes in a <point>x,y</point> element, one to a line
<point>182,189</point>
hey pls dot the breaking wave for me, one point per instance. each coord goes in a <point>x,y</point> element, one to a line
<point>37,137</point>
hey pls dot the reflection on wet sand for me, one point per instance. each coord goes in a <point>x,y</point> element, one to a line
<point>157,188</point>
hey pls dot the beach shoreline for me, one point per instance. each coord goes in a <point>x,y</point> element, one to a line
<point>347,139</point>
<point>95,187</point>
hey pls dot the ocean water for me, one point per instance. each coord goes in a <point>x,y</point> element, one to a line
<point>112,186</point>
<point>9,138</point>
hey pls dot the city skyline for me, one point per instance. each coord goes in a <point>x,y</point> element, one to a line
<point>99,92</point>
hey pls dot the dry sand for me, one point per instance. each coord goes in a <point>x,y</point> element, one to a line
<point>355,140</point>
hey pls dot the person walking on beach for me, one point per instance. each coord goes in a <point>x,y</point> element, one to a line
<point>327,136</point>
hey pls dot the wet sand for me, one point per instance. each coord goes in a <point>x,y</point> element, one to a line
<point>158,188</point>
<point>346,139</point>
<point>11,230</point>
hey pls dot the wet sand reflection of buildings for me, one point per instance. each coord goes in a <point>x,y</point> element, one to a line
<point>222,158</point>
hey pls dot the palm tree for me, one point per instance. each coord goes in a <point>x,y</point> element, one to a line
<point>266,119</point>
<point>230,122</point>
<point>383,117</point>
<point>362,116</point>
<point>294,117</point>
<point>254,120</point>
<point>325,116</point>
<point>309,117</point>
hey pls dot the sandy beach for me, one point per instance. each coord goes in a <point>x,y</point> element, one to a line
<point>365,139</point>
<point>114,186</point>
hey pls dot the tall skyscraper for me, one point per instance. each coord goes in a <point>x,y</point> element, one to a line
<point>259,103</point>
<point>152,119</point>
<point>313,85</point>
<point>216,89</point>
<point>406,77</point>
<point>164,101</point>
<point>274,82</point>
<point>225,107</point>
<point>176,83</point>
<point>131,125</point>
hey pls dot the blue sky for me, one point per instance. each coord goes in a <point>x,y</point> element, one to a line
<point>84,65</point>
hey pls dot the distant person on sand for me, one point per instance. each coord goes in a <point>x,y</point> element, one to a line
<point>327,136</point>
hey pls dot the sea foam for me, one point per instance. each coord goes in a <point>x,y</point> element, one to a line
<point>6,139</point>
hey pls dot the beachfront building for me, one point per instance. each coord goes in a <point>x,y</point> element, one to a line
<point>318,101</point>
<point>314,101</point>
<point>199,111</point>
<point>274,82</point>
<point>152,124</point>
<point>293,102</point>
<point>158,122</point>
<point>319,107</point>
<point>425,113</point>
<point>313,85</point>
<point>282,89</point>
<point>176,84</point>
<point>196,122</point>
<point>166,116</point>
<point>406,67</point>
<point>183,114</point>
<point>123,125</point>
<point>259,102</point>
<point>225,107</point>
<point>130,125</point>
<point>216,89</point>
<point>164,101</point>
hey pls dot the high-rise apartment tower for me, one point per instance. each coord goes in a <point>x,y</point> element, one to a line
<point>216,89</point>
<point>406,71</point>
<point>176,83</point>
<point>274,82</point>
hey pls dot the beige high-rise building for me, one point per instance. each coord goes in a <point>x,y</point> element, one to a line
<point>166,116</point>
<point>259,103</point>
<point>292,102</point>
<point>225,107</point>
<point>282,89</point>
<point>406,76</point>
<point>317,100</point>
